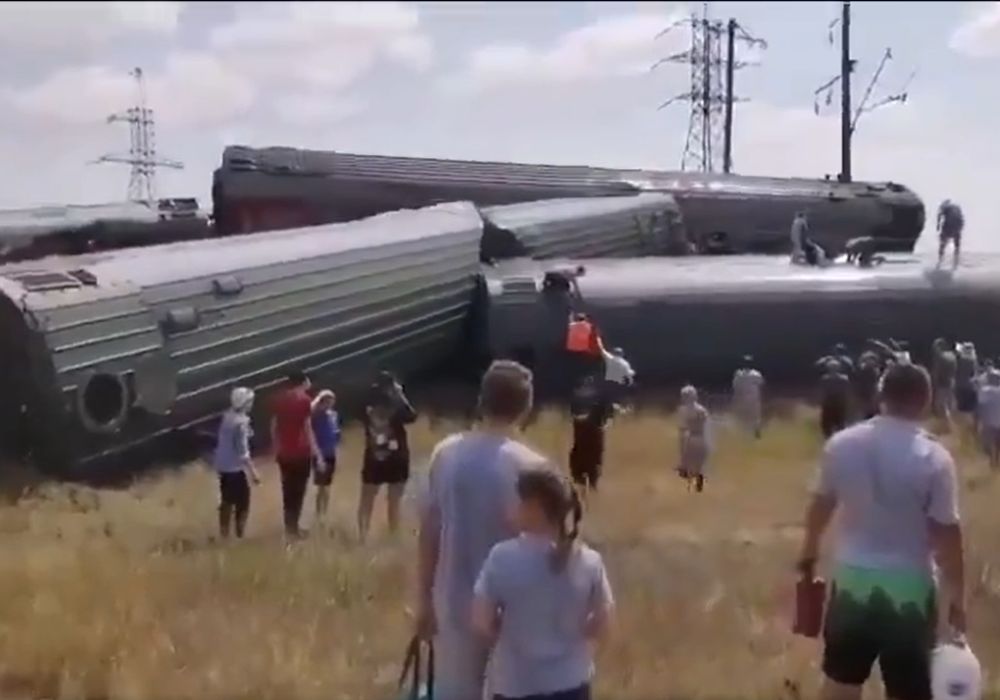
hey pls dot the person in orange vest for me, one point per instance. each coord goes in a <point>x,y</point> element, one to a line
<point>583,345</point>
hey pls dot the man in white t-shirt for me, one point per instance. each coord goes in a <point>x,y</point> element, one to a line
<point>748,385</point>
<point>988,410</point>
<point>619,376</point>
<point>895,491</point>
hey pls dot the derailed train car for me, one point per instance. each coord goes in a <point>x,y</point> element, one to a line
<point>29,234</point>
<point>104,352</point>
<point>693,319</point>
<point>626,226</point>
<point>275,188</point>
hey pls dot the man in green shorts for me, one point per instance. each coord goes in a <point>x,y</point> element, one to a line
<point>894,489</point>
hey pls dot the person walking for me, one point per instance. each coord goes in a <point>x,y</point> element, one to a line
<point>693,439</point>
<point>387,451</point>
<point>866,378</point>
<point>835,393</point>
<point>470,507</point>
<point>295,447</point>
<point>944,368</point>
<point>234,464</point>
<point>543,598</point>
<point>748,405</point>
<point>895,491</point>
<point>326,428</point>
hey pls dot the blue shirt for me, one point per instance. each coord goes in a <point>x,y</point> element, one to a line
<point>473,490</point>
<point>232,448</point>
<point>542,648</point>
<point>326,428</point>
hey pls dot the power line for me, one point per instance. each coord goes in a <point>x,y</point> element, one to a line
<point>142,146</point>
<point>710,120</point>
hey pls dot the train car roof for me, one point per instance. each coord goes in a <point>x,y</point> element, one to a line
<point>69,280</point>
<point>300,162</point>
<point>748,276</point>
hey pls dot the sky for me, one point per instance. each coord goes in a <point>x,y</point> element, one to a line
<point>538,82</point>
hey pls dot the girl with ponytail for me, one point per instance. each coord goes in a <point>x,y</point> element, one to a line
<point>542,597</point>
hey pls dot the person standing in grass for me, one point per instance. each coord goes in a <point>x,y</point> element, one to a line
<point>988,407</point>
<point>591,409</point>
<point>748,385</point>
<point>471,506</point>
<point>693,438</point>
<point>835,398</point>
<point>894,489</point>
<point>326,428</point>
<point>295,447</point>
<point>387,451</point>
<point>234,464</point>
<point>542,598</point>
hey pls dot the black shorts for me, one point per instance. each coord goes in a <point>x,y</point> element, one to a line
<point>390,471</point>
<point>890,618</point>
<point>323,472</point>
<point>234,490</point>
<point>580,693</point>
<point>585,469</point>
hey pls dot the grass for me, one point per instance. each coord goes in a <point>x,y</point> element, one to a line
<point>125,594</point>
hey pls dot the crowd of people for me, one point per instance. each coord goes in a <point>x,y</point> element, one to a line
<point>513,602</point>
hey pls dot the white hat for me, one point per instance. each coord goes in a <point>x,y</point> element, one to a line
<point>955,673</point>
<point>241,398</point>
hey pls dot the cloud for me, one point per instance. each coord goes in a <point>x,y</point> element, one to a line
<point>304,109</point>
<point>69,25</point>
<point>320,45</point>
<point>980,35</point>
<point>616,46</point>
<point>192,89</point>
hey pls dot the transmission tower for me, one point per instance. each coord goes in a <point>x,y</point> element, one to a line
<point>142,146</point>
<point>710,121</point>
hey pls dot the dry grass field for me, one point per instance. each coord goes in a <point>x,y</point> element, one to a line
<point>125,594</point>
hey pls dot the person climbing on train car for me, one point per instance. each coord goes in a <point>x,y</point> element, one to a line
<point>693,439</point>
<point>798,235</point>
<point>943,372</point>
<point>748,405</point>
<point>234,464</point>
<point>592,410</point>
<point>387,452</point>
<point>950,222</point>
<point>835,392</point>
<point>295,447</point>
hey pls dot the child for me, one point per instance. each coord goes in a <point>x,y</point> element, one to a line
<point>543,598</point>
<point>233,462</point>
<point>326,428</point>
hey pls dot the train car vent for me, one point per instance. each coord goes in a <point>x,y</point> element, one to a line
<point>226,286</point>
<point>181,320</point>
<point>85,277</point>
<point>44,281</point>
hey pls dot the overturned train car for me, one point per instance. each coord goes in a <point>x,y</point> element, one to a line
<point>105,352</point>
<point>627,226</point>
<point>693,319</point>
<point>275,188</point>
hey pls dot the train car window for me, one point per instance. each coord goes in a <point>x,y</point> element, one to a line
<point>229,285</point>
<point>181,320</point>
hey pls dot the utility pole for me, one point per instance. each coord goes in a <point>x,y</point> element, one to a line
<point>849,121</point>
<point>727,156</point>
<point>142,147</point>
<point>846,66</point>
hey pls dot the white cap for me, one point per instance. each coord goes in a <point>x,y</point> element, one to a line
<point>241,398</point>
<point>955,673</point>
